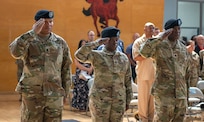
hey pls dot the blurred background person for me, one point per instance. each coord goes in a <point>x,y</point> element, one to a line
<point>121,44</point>
<point>198,48</point>
<point>90,36</point>
<point>193,38</point>
<point>129,55</point>
<point>145,70</point>
<point>156,31</point>
<point>81,90</point>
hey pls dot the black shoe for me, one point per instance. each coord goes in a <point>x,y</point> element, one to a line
<point>136,116</point>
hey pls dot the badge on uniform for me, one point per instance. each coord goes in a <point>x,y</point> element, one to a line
<point>51,14</point>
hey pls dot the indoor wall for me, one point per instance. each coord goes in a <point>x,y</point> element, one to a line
<point>17,17</point>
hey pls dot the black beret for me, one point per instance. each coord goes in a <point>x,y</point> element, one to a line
<point>171,23</point>
<point>44,14</point>
<point>110,32</point>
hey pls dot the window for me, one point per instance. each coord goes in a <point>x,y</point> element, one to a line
<point>189,13</point>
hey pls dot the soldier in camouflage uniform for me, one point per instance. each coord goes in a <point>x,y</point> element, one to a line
<point>173,72</point>
<point>47,70</point>
<point>19,64</point>
<point>195,63</point>
<point>111,91</point>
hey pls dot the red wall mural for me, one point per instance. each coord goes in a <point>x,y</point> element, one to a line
<point>102,10</point>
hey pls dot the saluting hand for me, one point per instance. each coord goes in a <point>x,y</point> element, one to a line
<point>165,34</point>
<point>191,46</point>
<point>37,27</point>
<point>103,40</point>
<point>89,70</point>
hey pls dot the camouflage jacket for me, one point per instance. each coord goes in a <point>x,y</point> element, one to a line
<point>112,73</point>
<point>47,64</point>
<point>173,67</point>
<point>195,65</point>
<point>19,64</point>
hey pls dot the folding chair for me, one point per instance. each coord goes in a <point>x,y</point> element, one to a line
<point>195,112</point>
<point>89,83</point>
<point>134,102</point>
<point>200,85</point>
<point>195,100</point>
<point>134,90</point>
<point>71,91</point>
<point>195,95</point>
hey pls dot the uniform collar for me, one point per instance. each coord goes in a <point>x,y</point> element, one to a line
<point>109,52</point>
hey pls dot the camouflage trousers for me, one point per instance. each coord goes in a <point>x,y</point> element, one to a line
<point>105,111</point>
<point>169,109</point>
<point>39,108</point>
